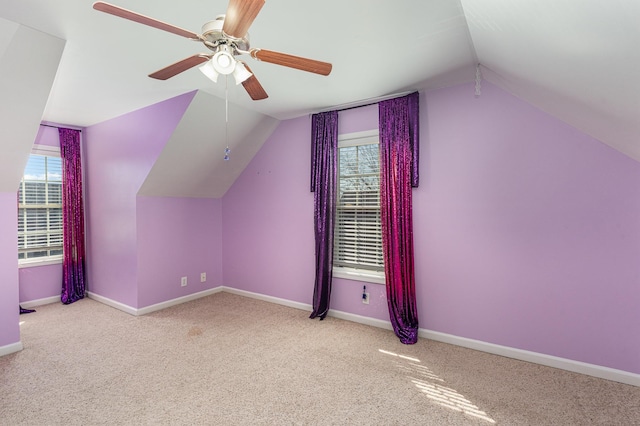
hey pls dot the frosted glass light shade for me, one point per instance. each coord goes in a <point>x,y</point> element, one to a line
<point>240,73</point>
<point>208,70</point>
<point>223,62</point>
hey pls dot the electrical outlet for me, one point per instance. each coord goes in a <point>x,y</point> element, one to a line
<point>365,298</point>
<point>203,277</point>
<point>183,281</point>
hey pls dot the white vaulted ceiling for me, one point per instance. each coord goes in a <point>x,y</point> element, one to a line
<point>576,59</point>
<point>23,95</point>
<point>187,167</point>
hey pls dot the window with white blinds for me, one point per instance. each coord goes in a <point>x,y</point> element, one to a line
<point>358,233</point>
<point>40,208</point>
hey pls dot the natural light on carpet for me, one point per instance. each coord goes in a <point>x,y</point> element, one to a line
<point>422,377</point>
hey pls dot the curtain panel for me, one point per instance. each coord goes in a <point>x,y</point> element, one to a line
<point>73,267</point>
<point>324,154</point>
<point>399,141</point>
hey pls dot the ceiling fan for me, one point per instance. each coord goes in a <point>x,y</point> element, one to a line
<point>227,37</point>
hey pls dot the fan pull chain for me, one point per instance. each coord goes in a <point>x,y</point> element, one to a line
<point>227,151</point>
<point>478,81</point>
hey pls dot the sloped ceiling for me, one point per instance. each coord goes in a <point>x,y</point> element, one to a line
<point>24,90</point>
<point>576,59</point>
<point>192,162</point>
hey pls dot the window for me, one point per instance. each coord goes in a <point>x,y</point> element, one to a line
<point>358,234</point>
<point>40,208</point>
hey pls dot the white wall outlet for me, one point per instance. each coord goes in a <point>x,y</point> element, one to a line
<point>365,298</point>
<point>183,281</point>
<point>203,277</point>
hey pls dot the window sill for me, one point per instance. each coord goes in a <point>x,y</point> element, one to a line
<point>39,262</point>
<point>359,275</point>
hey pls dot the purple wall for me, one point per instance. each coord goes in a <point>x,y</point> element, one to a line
<point>40,282</point>
<point>118,156</point>
<point>527,232</point>
<point>267,219</point>
<point>177,237</point>
<point>9,316</point>
<point>48,136</point>
<point>138,247</point>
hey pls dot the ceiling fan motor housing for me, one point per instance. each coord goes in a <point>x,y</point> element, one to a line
<point>214,36</point>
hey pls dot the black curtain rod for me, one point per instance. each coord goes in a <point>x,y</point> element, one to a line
<point>355,106</point>
<point>346,108</point>
<point>367,102</point>
<point>58,127</point>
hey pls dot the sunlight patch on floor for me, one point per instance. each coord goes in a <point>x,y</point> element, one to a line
<point>422,377</point>
<point>408,358</point>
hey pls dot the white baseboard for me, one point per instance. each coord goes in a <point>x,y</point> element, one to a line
<point>536,358</point>
<point>114,304</point>
<point>30,304</point>
<point>9,349</point>
<point>360,319</point>
<point>152,308</point>
<point>519,354</point>
<point>178,301</point>
<point>271,299</point>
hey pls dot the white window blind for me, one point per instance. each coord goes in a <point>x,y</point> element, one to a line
<point>358,233</point>
<point>40,209</point>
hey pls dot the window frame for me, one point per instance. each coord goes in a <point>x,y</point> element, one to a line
<point>48,151</point>
<point>366,137</point>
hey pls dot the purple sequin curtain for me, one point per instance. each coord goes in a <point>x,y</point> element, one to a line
<point>399,138</point>
<point>324,152</point>
<point>73,279</point>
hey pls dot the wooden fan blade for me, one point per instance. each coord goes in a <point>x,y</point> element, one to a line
<point>180,66</point>
<point>297,62</point>
<point>253,86</point>
<point>240,15</point>
<point>141,19</point>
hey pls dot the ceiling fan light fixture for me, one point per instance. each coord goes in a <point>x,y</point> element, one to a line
<point>208,70</point>
<point>223,62</point>
<point>241,73</point>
